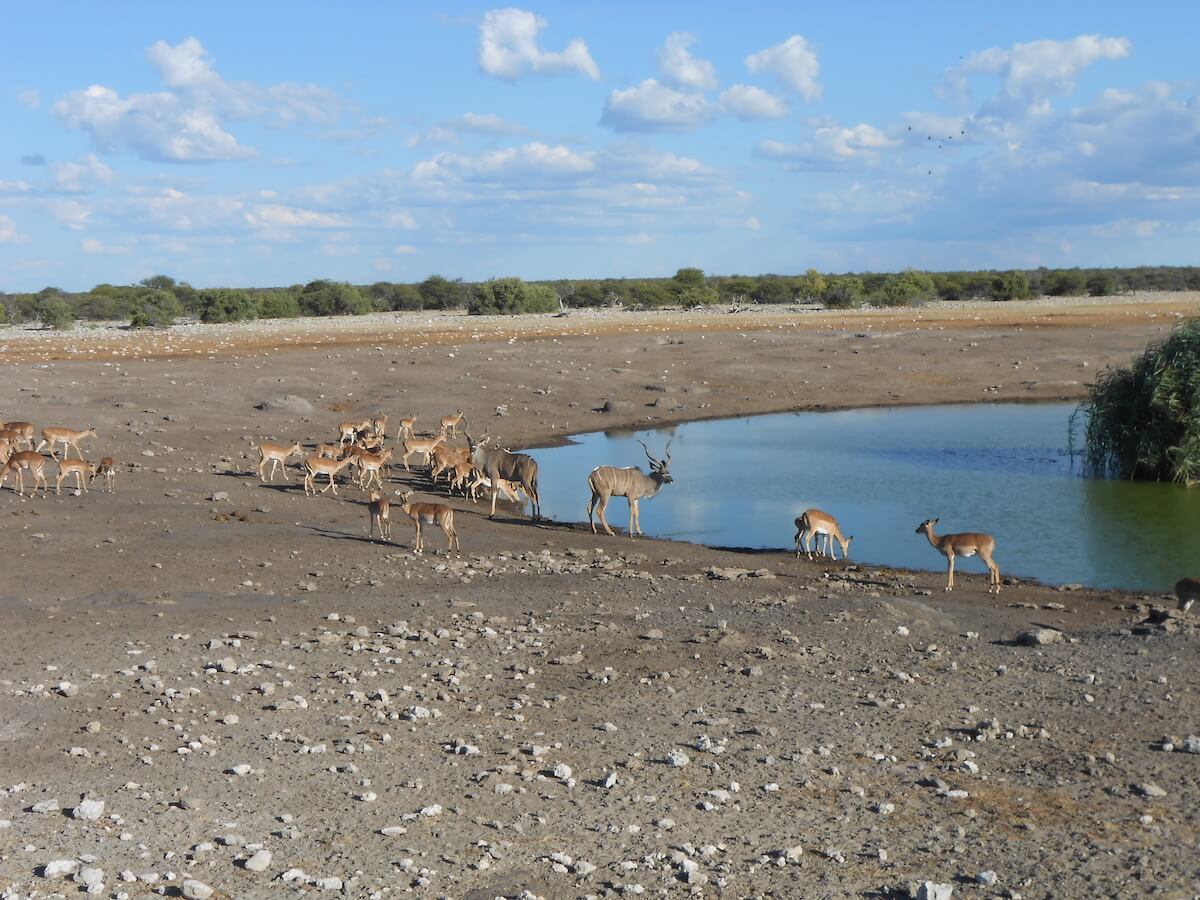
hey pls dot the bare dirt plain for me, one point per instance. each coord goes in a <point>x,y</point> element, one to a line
<point>552,713</point>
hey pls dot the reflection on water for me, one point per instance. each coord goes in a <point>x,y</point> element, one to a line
<point>999,468</point>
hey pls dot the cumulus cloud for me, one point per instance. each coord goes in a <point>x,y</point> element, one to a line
<point>651,106</point>
<point>794,63</point>
<point>831,147</point>
<point>682,69</point>
<point>95,246</point>
<point>508,48</point>
<point>1033,72</point>
<point>80,177</point>
<point>274,215</point>
<point>29,98</point>
<point>536,158</point>
<point>9,233</point>
<point>749,102</point>
<point>450,131</point>
<point>404,249</point>
<point>184,123</point>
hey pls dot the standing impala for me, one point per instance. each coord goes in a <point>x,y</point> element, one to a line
<point>65,436</point>
<point>631,483</point>
<point>379,512</point>
<point>450,423</point>
<point>1187,591</point>
<point>814,522</point>
<point>424,446</point>
<point>77,467</point>
<point>21,433</point>
<point>406,428</point>
<point>108,471</point>
<point>317,465</point>
<point>966,543</point>
<point>277,455</point>
<point>26,461</point>
<point>430,514</point>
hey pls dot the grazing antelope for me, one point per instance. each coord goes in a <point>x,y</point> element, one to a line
<point>67,437</point>
<point>330,451</point>
<point>508,489</point>
<point>406,428</point>
<point>966,543</point>
<point>369,466</point>
<point>496,464</point>
<point>814,522</point>
<point>430,514</point>
<point>450,423</point>
<point>76,467</point>
<point>463,469</point>
<point>444,458</point>
<point>1187,591</point>
<point>317,465</point>
<point>26,461</point>
<point>20,433</point>
<point>277,455</point>
<point>379,426</point>
<point>631,483</point>
<point>424,446</point>
<point>6,448</point>
<point>108,471</point>
<point>379,512</point>
<point>348,431</point>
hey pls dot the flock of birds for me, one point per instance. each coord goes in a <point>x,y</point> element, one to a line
<point>466,470</point>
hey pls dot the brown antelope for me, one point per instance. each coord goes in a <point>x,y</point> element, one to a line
<point>430,514</point>
<point>6,448</point>
<point>67,437</point>
<point>406,428</point>
<point>330,451</point>
<point>966,543</point>
<point>108,471</point>
<point>76,467</point>
<point>450,423</point>
<point>318,465</point>
<point>1187,592</point>
<point>463,469</point>
<point>814,522</point>
<point>444,458</point>
<point>631,483</point>
<point>496,464</point>
<point>26,461</point>
<point>424,446</point>
<point>379,426</point>
<point>348,431</point>
<point>509,490</point>
<point>369,467</point>
<point>277,455</point>
<point>20,433</point>
<point>380,516</point>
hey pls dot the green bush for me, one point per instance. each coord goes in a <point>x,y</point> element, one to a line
<point>774,289</point>
<point>1144,419</point>
<point>506,296</point>
<point>907,288</point>
<point>55,312</point>
<point>3,314</point>
<point>226,305</point>
<point>696,295</point>
<point>650,294</point>
<point>439,293</point>
<point>140,319</point>
<point>1066,283</point>
<point>160,308</point>
<point>278,305</point>
<point>332,298</point>
<point>844,292</point>
<point>1012,285</point>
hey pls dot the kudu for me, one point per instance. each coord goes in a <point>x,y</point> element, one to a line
<point>631,483</point>
<point>496,464</point>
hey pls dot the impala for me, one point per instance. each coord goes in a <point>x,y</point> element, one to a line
<point>6,448</point>
<point>424,446</point>
<point>1187,591</point>
<point>348,431</point>
<point>108,471</point>
<point>317,465</point>
<point>508,489</point>
<point>444,458</point>
<point>496,464</point>
<point>967,543</point>
<point>20,433</point>
<point>430,514</point>
<point>406,428</point>
<point>277,455</point>
<point>379,510</point>
<point>76,467</point>
<point>814,522</point>
<point>26,461</point>
<point>65,436</point>
<point>330,451</point>
<point>379,426</point>
<point>369,467</point>
<point>450,423</point>
<point>631,483</point>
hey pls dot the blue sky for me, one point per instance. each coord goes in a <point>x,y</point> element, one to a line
<point>268,144</point>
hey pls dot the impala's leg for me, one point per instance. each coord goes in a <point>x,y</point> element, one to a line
<point>419,544</point>
<point>831,545</point>
<point>993,572</point>
<point>406,456</point>
<point>58,485</point>
<point>808,542</point>
<point>79,483</point>
<point>495,494</point>
<point>950,572</point>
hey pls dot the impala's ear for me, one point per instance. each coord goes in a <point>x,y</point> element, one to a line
<point>934,521</point>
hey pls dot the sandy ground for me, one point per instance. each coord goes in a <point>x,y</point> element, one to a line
<point>553,712</point>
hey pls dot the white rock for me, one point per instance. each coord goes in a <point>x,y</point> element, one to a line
<point>294,875</point>
<point>196,890</point>
<point>89,810</point>
<point>393,831</point>
<point>259,861</point>
<point>932,891</point>
<point>1191,744</point>
<point>46,806</point>
<point>91,876</point>
<point>677,759</point>
<point>58,868</point>
<point>431,811</point>
<point>562,771</point>
<point>610,780</point>
<point>328,884</point>
<point>240,769</point>
<point>987,877</point>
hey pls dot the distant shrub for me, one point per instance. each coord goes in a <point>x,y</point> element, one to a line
<point>55,312</point>
<point>506,296</point>
<point>844,292</point>
<point>1144,419</point>
<point>226,305</point>
<point>278,305</point>
<point>1066,283</point>
<point>440,293</point>
<point>160,308</point>
<point>332,298</point>
<point>140,319</point>
<point>906,288</point>
<point>1012,285</point>
<point>696,295</point>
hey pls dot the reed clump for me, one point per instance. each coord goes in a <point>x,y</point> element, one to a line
<point>1143,420</point>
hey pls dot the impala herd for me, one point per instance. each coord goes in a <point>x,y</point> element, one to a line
<point>514,476</point>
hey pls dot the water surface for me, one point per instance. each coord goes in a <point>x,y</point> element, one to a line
<point>999,468</point>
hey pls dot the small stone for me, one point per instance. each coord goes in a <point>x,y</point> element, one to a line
<point>46,806</point>
<point>218,496</point>
<point>1149,789</point>
<point>328,884</point>
<point>259,861</point>
<point>59,868</point>
<point>677,759</point>
<point>1191,744</point>
<point>902,631</point>
<point>932,891</point>
<point>987,878</point>
<point>240,769</point>
<point>1037,637</point>
<point>88,810</point>
<point>196,890</point>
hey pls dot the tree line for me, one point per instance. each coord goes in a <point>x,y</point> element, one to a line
<point>160,300</point>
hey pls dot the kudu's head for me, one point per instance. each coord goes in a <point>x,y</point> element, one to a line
<point>477,443</point>
<point>659,467</point>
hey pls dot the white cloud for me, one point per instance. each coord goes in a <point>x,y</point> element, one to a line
<point>30,98</point>
<point>97,247</point>
<point>508,48</point>
<point>682,69</point>
<point>748,102</point>
<point>537,159</point>
<point>404,249</point>
<point>71,214</point>
<point>274,215</point>
<point>832,147</point>
<point>753,224</point>
<point>80,177</point>
<point>9,233</point>
<point>450,130</point>
<point>184,123</point>
<point>400,219</point>
<point>14,188</point>
<point>794,63</point>
<point>651,106</point>
<point>1033,72</point>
